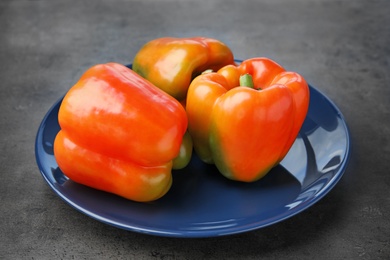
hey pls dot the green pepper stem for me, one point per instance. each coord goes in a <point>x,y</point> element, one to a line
<point>246,80</point>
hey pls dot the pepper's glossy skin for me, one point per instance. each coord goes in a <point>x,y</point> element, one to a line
<point>119,133</point>
<point>246,131</point>
<point>171,63</point>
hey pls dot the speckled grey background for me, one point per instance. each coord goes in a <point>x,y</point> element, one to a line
<point>341,47</point>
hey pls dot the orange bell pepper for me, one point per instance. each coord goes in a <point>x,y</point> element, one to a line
<point>246,130</point>
<point>119,133</point>
<point>171,63</point>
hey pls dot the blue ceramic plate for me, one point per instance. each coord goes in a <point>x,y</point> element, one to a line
<point>202,203</point>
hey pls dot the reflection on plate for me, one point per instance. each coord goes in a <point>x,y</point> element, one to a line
<point>202,203</point>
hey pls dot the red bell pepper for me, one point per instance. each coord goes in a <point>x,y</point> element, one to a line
<point>171,63</point>
<point>246,130</point>
<point>119,133</point>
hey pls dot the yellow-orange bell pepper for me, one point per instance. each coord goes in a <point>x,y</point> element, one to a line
<point>119,133</point>
<point>246,130</point>
<point>171,63</point>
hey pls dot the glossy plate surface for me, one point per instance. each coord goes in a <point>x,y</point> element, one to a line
<point>202,203</point>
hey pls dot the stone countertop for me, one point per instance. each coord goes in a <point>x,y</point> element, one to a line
<point>340,47</point>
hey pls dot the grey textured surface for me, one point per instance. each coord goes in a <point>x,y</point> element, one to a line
<point>340,47</point>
